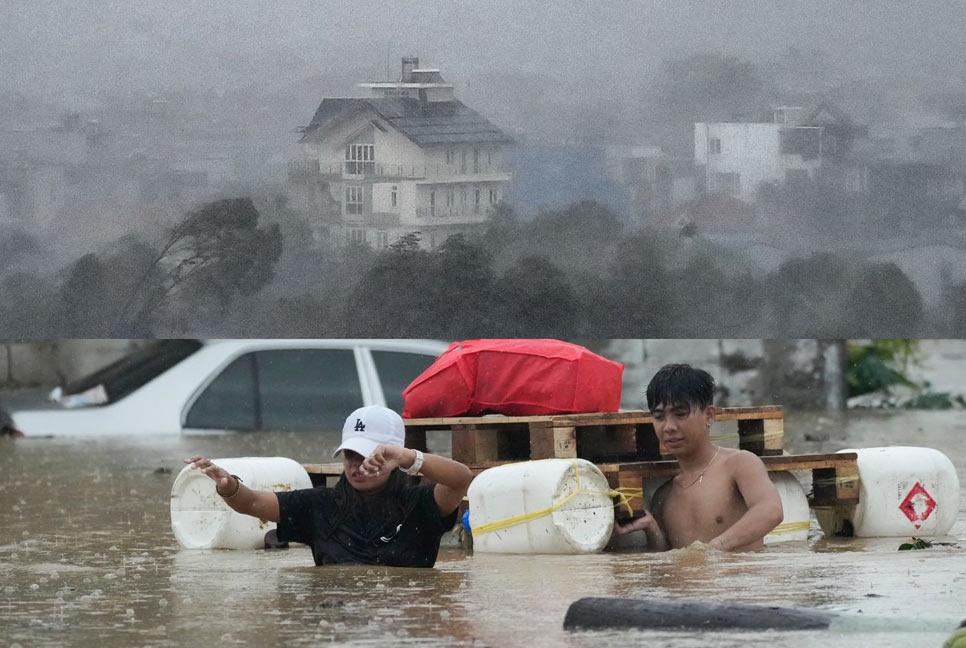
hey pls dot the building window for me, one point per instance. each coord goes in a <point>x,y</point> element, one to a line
<point>450,156</point>
<point>714,145</point>
<point>432,203</point>
<point>353,199</point>
<point>450,200</point>
<point>382,239</point>
<point>463,197</point>
<point>360,159</point>
<point>476,160</point>
<point>728,183</point>
<point>489,158</point>
<point>355,235</point>
<point>393,196</point>
<point>493,196</point>
<point>476,201</point>
<point>463,161</point>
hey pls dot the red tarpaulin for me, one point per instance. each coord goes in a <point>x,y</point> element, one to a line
<point>516,378</point>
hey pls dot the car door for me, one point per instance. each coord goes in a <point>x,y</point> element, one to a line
<point>292,389</point>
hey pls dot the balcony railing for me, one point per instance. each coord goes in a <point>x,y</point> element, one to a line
<point>406,171</point>
<point>449,213</point>
<point>303,169</point>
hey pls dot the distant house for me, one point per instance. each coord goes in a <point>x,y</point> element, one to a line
<point>656,181</point>
<point>411,158</point>
<point>736,158</point>
<point>918,171</point>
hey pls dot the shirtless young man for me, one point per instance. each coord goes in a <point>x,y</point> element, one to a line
<point>721,496</point>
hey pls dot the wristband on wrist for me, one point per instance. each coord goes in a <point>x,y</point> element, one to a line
<point>417,464</point>
<point>238,482</point>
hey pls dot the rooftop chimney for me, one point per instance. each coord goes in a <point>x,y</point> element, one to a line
<point>409,63</point>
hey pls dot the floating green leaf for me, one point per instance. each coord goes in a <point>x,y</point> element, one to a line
<point>917,543</point>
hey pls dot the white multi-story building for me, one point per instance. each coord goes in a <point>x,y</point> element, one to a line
<point>736,158</point>
<point>411,158</point>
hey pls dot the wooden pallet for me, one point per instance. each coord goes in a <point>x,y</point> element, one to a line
<point>835,477</point>
<point>599,437</point>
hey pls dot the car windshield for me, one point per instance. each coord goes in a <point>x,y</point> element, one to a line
<point>122,377</point>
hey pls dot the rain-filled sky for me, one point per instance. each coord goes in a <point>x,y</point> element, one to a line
<point>110,46</point>
<point>219,89</point>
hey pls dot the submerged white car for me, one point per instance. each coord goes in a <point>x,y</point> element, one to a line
<point>214,386</point>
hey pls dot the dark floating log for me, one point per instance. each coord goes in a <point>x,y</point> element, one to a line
<point>597,613</point>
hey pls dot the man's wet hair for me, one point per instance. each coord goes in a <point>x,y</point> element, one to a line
<point>680,384</point>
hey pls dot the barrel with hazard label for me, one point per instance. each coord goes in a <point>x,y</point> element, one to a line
<point>551,506</point>
<point>200,519</point>
<point>903,492</point>
<point>794,526</point>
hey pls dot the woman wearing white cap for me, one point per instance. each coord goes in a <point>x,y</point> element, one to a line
<point>374,514</point>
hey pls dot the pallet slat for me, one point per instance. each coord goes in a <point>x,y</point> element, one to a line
<point>599,437</point>
<point>594,418</point>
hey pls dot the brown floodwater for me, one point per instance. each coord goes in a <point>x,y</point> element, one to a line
<point>87,558</point>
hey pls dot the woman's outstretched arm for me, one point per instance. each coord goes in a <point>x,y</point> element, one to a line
<point>260,504</point>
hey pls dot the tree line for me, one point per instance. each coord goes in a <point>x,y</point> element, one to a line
<point>225,270</point>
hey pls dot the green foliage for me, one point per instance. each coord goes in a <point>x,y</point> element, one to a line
<point>879,364</point>
<point>936,401</point>
<point>917,543</point>
<point>883,301</point>
<point>534,298</point>
<point>215,254</point>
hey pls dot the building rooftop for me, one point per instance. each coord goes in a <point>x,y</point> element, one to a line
<point>424,123</point>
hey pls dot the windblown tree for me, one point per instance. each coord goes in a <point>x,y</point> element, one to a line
<point>884,303</point>
<point>216,253</point>
<point>534,298</point>
<point>461,292</point>
<point>635,296</point>
<point>808,297</point>
<point>84,311</point>
<point>391,299</point>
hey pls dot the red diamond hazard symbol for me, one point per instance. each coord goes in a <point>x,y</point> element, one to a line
<point>918,505</point>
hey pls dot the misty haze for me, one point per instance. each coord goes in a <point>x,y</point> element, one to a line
<point>500,169</point>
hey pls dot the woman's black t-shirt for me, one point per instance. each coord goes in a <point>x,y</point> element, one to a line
<point>306,514</point>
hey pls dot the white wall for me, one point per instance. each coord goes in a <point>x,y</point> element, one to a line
<point>751,150</point>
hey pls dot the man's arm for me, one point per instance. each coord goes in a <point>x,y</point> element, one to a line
<point>761,497</point>
<point>650,523</point>
<point>260,504</point>
<point>452,478</point>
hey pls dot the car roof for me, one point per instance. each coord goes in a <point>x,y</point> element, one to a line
<point>392,344</point>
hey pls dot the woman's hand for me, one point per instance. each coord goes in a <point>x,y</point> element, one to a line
<point>222,478</point>
<point>386,458</point>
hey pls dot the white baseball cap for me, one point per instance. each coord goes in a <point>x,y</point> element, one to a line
<point>369,427</point>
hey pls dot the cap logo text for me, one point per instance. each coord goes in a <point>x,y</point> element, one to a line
<point>360,426</point>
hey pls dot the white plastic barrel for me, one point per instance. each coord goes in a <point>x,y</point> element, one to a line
<point>903,492</point>
<point>200,518</point>
<point>795,523</point>
<point>581,520</point>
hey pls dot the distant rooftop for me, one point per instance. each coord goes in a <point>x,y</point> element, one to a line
<point>424,123</point>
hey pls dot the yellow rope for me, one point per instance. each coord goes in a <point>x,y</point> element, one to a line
<point>624,494</point>
<point>790,527</point>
